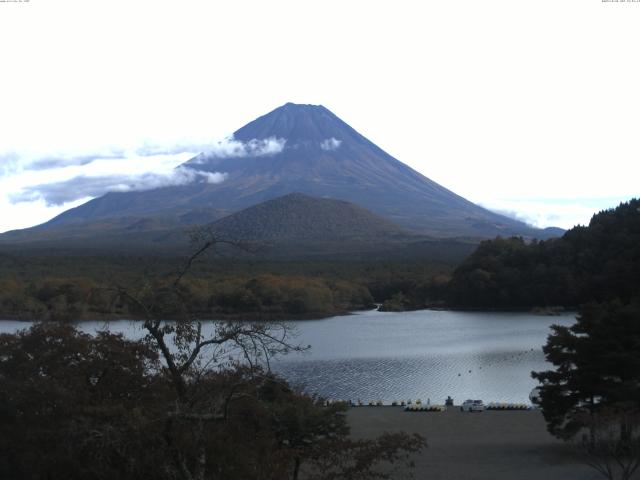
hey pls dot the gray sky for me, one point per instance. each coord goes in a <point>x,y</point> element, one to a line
<point>527,107</point>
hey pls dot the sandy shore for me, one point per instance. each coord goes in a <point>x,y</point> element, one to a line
<point>491,445</point>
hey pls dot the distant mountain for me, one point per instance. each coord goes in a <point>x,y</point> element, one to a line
<point>298,226</point>
<point>553,232</point>
<point>321,156</point>
<point>299,218</point>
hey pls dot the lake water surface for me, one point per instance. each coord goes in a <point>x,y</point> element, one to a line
<point>424,354</point>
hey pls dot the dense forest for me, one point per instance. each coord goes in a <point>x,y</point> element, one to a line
<point>263,296</point>
<point>593,263</point>
<point>74,287</point>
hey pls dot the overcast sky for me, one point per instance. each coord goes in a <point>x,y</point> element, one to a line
<point>530,107</point>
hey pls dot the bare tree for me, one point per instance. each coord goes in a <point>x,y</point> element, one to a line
<point>612,446</point>
<point>189,350</point>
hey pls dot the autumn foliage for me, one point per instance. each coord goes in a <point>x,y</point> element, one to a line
<point>76,406</point>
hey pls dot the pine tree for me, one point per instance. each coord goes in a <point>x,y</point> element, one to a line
<point>597,364</point>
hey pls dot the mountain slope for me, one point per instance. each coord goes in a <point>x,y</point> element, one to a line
<point>321,156</point>
<point>297,218</point>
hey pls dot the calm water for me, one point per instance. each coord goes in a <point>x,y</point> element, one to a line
<point>395,356</point>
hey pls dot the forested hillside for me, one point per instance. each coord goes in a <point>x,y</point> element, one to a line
<point>593,263</point>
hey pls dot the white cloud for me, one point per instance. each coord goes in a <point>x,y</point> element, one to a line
<point>212,177</point>
<point>553,212</point>
<point>150,180</point>
<point>28,161</point>
<point>46,185</point>
<point>330,144</point>
<point>231,148</point>
<point>28,214</point>
<point>60,193</point>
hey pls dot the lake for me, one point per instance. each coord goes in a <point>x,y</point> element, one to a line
<point>425,354</point>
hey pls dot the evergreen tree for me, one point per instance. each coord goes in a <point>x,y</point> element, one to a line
<point>597,370</point>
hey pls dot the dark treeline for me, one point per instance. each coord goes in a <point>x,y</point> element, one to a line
<point>594,263</point>
<point>263,296</point>
<point>74,287</point>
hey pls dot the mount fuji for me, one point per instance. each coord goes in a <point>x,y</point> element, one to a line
<point>302,149</point>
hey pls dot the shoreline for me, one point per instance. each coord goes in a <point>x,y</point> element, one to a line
<point>257,317</point>
<point>290,317</point>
